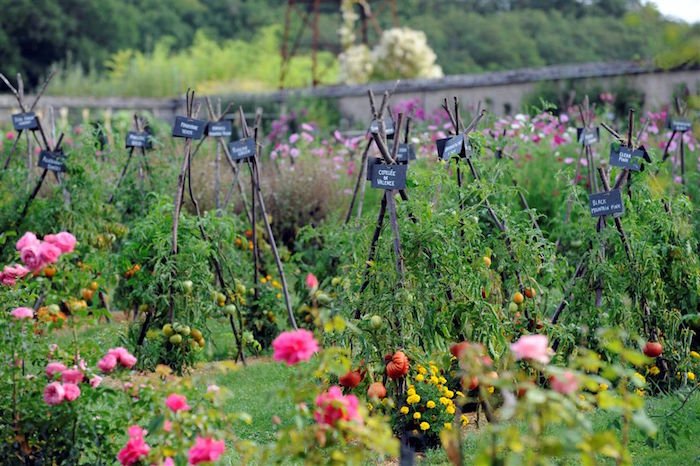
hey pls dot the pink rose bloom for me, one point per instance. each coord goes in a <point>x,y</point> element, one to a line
<point>294,346</point>
<point>95,381</point>
<point>54,368</point>
<point>31,257</point>
<point>28,239</point>
<point>135,449</point>
<point>167,425</point>
<point>311,281</point>
<point>177,403</point>
<point>22,313</point>
<point>72,391</point>
<point>107,363</point>
<point>63,241</point>
<point>11,273</point>
<point>333,406</point>
<point>122,356</point>
<point>49,253</point>
<point>10,135</point>
<point>534,347</point>
<point>205,449</point>
<point>72,376</point>
<point>565,384</point>
<point>54,393</point>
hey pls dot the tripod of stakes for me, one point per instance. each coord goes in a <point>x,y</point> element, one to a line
<point>135,140</point>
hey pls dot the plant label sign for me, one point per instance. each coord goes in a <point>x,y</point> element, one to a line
<point>242,149</point>
<point>452,147</point>
<point>52,161</point>
<point>680,125</point>
<point>625,157</point>
<point>588,136</point>
<point>220,129</point>
<point>25,121</point>
<point>389,176</point>
<point>388,127</point>
<point>135,139</point>
<point>607,203</point>
<point>405,153</point>
<point>188,128</point>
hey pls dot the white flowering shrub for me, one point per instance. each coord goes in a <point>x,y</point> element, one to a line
<point>356,64</point>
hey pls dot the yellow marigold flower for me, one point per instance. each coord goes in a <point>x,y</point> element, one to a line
<point>449,393</point>
<point>640,377</point>
<point>490,389</point>
<point>434,369</point>
<point>422,370</point>
<point>430,404</point>
<point>420,378</point>
<point>404,410</point>
<point>602,387</point>
<point>442,379</point>
<point>424,426</point>
<point>464,419</point>
<point>444,400</point>
<point>411,391</point>
<point>695,354</point>
<point>434,380</point>
<point>413,399</point>
<point>416,415</point>
<point>691,376</point>
<point>653,370</point>
<point>450,409</point>
<point>448,425</point>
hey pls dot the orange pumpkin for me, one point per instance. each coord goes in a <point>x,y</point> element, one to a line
<point>397,365</point>
<point>351,380</point>
<point>376,390</point>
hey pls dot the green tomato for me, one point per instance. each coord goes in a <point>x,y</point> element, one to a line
<point>187,286</point>
<point>167,330</point>
<point>176,339</point>
<point>230,310</point>
<point>376,322</point>
<point>512,307</point>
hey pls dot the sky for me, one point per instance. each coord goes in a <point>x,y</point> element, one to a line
<point>688,10</point>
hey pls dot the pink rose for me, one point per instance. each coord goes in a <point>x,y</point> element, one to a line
<point>565,384</point>
<point>10,135</point>
<point>54,393</point>
<point>123,356</point>
<point>72,376</point>
<point>177,403</point>
<point>11,273</point>
<point>71,390</point>
<point>534,347</point>
<point>135,449</point>
<point>49,253</point>
<point>168,462</point>
<point>63,241</point>
<point>311,281</point>
<point>54,368</point>
<point>167,426</point>
<point>294,346</point>
<point>107,363</point>
<point>31,256</point>
<point>95,381</point>
<point>333,406</point>
<point>206,450</point>
<point>21,313</point>
<point>28,239</point>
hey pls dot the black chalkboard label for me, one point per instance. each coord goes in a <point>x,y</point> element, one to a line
<point>405,152</point>
<point>607,203</point>
<point>451,147</point>
<point>371,162</point>
<point>25,121</point>
<point>388,127</point>
<point>53,161</point>
<point>588,136</point>
<point>220,129</point>
<point>135,139</point>
<point>242,149</point>
<point>625,157</point>
<point>188,128</point>
<point>389,176</point>
<point>680,125</point>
